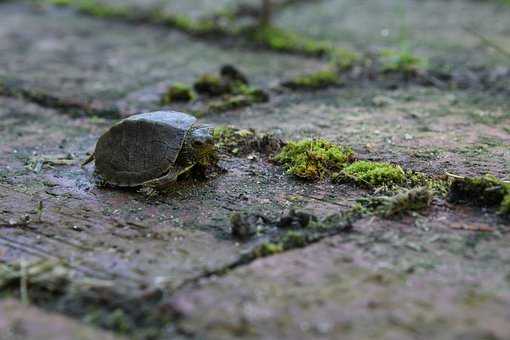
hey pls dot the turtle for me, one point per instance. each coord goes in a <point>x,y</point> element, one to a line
<point>152,149</point>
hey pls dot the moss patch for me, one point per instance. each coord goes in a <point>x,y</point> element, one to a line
<point>505,205</point>
<point>178,93</point>
<point>268,249</point>
<point>314,159</point>
<point>485,191</point>
<point>181,22</point>
<point>232,86</point>
<point>343,59</point>
<point>211,85</point>
<point>401,61</point>
<point>404,202</point>
<point>238,97</point>
<point>268,36</point>
<point>241,142</point>
<point>373,174</point>
<point>280,40</point>
<point>98,9</point>
<point>317,80</point>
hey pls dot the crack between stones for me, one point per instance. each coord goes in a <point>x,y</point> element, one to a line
<point>15,89</point>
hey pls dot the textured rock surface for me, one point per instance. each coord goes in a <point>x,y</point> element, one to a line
<point>110,64</point>
<point>18,321</point>
<point>431,28</point>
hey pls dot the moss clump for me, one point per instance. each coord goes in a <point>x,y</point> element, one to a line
<point>116,320</point>
<point>315,80</point>
<point>186,24</point>
<point>504,208</point>
<point>314,158</point>
<point>246,225</point>
<point>416,199</point>
<point>296,220</point>
<point>485,191</point>
<point>242,142</point>
<point>178,93</point>
<point>281,40</point>
<point>268,249</point>
<point>242,96</point>
<point>233,75</point>
<point>233,88</point>
<point>294,239</point>
<point>343,59</point>
<point>100,9</point>
<point>374,174</point>
<point>439,186</point>
<point>210,85</point>
<point>231,140</point>
<point>229,103</point>
<point>195,27</point>
<point>253,94</point>
<point>230,81</point>
<point>401,61</point>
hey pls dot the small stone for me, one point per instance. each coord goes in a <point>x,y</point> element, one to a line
<point>232,74</point>
<point>244,226</point>
<point>296,220</point>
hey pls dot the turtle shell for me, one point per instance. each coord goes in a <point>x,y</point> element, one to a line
<point>142,147</point>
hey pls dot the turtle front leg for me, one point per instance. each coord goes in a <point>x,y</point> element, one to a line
<point>89,159</point>
<point>151,187</point>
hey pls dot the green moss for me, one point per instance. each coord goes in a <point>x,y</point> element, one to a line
<point>485,191</point>
<point>296,220</point>
<point>268,249</point>
<point>178,93</point>
<point>241,96</point>
<point>294,239</point>
<point>98,9</point>
<point>401,61</point>
<point>211,85</point>
<point>253,94</point>
<point>228,138</point>
<point>343,59</point>
<point>315,80</point>
<point>438,186</point>
<point>280,40</point>
<point>116,320</point>
<point>268,36</point>
<point>242,142</point>
<point>416,199</point>
<point>374,174</point>
<point>201,27</point>
<point>156,16</point>
<point>61,2</point>
<point>314,158</point>
<point>504,208</point>
<point>230,103</point>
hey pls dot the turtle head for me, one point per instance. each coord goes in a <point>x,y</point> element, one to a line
<point>203,146</point>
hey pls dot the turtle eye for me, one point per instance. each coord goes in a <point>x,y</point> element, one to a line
<point>197,143</point>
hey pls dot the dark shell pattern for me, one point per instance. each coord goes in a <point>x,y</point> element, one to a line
<point>142,147</point>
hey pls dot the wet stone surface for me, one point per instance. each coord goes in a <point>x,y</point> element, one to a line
<point>18,321</point>
<point>121,234</point>
<point>435,29</point>
<point>422,128</point>
<point>115,65</point>
<point>192,8</point>
<point>388,280</point>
